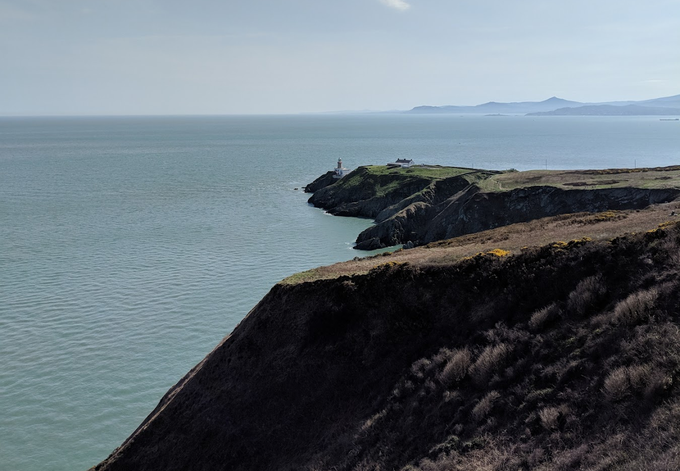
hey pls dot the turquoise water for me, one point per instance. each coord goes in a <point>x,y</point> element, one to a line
<point>130,246</point>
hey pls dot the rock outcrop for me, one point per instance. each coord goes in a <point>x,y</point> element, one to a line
<point>323,181</point>
<point>364,193</point>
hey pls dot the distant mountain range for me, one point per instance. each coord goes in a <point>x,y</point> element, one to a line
<point>666,106</point>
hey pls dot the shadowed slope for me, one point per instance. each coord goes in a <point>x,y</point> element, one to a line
<point>549,359</point>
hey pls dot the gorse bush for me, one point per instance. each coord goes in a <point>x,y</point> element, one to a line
<point>498,253</point>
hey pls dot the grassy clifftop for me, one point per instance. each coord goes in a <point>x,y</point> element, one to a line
<point>642,178</point>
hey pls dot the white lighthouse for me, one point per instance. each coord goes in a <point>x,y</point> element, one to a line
<point>340,171</point>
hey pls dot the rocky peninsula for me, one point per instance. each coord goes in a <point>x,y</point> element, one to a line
<point>423,204</point>
<point>549,344</point>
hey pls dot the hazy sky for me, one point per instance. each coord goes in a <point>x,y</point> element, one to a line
<point>289,56</point>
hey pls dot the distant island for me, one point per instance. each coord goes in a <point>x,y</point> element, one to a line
<point>666,106</point>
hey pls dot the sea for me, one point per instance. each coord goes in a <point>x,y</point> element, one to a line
<point>130,246</point>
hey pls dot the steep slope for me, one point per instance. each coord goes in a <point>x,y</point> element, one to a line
<point>565,356</point>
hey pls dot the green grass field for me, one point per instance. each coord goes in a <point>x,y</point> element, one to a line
<point>433,172</point>
<point>654,178</point>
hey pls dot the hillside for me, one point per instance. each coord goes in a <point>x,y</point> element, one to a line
<point>419,205</point>
<point>559,107</point>
<point>564,356</point>
<point>610,110</point>
<point>495,107</point>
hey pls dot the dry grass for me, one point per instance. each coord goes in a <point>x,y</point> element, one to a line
<point>666,177</point>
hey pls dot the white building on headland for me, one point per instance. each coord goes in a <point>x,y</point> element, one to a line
<point>403,163</point>
<point>340,171</point>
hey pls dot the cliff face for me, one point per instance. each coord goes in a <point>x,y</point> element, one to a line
<point>323,181</point>
<point>562,357</point>
<point>472,210</point>
<point>365,194</point>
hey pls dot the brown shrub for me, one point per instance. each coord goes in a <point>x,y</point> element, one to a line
<point>549,417</point>
<point>484,406</point>
<point>403,389</point>
<point>457,366</point>
<point>617,385</point>
<point>442,356</point>
<point>420,367</point>
<point>489,361</point>
<point>587,292</point>
<point>571,459</point>
<point>636,308</point>
<point>658,383</point>
<point>639,376</point>
<point>542,316</point>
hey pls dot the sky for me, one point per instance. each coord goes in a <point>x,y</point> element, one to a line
<point>171,57</point>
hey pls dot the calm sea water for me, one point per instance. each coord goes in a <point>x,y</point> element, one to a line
<point>130,246</point>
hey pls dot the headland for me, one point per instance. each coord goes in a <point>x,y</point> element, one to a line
<point>423,204</point>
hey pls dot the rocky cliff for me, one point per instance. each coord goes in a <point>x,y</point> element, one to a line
<point>367,191</point>
<point>471,210</point>
<point>565,356</point>
<point>423,209</point>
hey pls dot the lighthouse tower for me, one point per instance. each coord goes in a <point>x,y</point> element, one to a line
<point>340,171</point>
